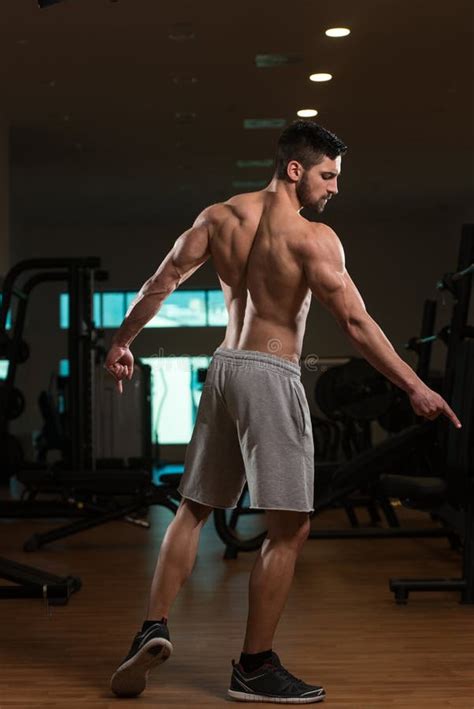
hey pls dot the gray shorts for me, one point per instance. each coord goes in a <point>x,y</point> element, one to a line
<point>253,425</point>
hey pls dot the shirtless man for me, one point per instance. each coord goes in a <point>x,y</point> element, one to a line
<point>253,422</point>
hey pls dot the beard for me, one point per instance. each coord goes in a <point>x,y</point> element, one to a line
<point>303,192</point>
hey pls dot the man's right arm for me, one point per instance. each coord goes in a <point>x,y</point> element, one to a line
<point>329,281</point>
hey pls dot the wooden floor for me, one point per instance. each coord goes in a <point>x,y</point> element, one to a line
<point>341,627</point>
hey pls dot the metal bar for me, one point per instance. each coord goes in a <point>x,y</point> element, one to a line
<point>37,263</point>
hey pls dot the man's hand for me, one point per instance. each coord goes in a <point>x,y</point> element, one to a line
<point>119,364</point>
<point>427,403</point>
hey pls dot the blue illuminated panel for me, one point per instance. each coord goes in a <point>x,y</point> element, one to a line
<point>217,312</point>
<point>186,308</point>
<point>176,393</point>
<point>64,368</point>
<point>8,321</point>
<point>183,308</point>
<point>97,315</point>
<point>113,309</point>
<point>4,363</point>
<point>64,310</point>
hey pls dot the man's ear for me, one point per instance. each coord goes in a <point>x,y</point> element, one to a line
<point>294,170</point>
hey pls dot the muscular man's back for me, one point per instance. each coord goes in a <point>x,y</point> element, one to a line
<point>256,245</point>
<point>269,261</point>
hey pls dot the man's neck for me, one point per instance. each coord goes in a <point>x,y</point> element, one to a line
<point>285,191</point>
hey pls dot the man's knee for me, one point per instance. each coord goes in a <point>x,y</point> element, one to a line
<point>285,525</point>
<point>303,531</point>
<point>195,509</point>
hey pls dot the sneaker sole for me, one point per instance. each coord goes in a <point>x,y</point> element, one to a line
<point>130,678</point>
<point>247,697</point>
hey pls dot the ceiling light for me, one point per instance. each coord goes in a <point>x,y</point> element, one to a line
<point>320,77</point>
<point>307,113</point>
<point>338,32</point>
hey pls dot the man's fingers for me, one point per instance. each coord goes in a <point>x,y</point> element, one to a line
<point>451,415</point>
<point>118,372</point>
<point>119,364</point>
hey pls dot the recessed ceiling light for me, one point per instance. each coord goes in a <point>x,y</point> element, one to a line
<point>307,113</point>
<point>338,32</point>
<point>320,77</point>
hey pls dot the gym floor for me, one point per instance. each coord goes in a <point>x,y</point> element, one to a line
<point>341,626</point>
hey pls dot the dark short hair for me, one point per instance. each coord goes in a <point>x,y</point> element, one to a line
<point>308,143</point>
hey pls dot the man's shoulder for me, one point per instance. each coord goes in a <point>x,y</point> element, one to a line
<point>216,213</point>
<point>321,231</point>
<point>320,236</point>
<point>212,216</point>
<point>240,207</point>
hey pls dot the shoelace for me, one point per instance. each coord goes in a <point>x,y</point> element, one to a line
<point>293,682</point>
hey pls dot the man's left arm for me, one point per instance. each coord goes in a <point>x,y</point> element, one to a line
<point>190,251</point>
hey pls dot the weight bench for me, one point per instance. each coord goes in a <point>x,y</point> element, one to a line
<point>115,494</point>
<point>34,583</point>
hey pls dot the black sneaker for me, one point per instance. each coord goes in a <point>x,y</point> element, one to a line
<point>271,683</point>
<point>149,649</point>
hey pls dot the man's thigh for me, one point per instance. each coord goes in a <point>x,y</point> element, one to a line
<point>214,471</point>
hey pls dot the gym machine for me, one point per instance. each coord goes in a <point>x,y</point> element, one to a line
<point>448,494</point>
<point>451,493</point>
<point>84,489</point>
<point>31,582</point>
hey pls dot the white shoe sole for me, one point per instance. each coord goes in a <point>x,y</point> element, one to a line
<point>130,678</point>
<point>247,697</point>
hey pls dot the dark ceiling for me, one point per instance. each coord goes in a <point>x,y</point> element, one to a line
<point>114,120</point>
